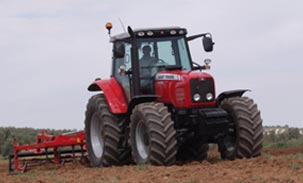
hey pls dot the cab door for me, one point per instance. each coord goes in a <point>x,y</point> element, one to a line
<point>120,65</point>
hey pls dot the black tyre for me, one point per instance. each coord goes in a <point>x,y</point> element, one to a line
<point>152,135</point>
<point>193,152</point>
<point>104,134</point>
<point>257,127</point>
<point>245,132</point>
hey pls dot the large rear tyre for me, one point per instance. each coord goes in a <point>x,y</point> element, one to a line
<point>245,136</point>
<point>152,135</point>
<point>103,134</point>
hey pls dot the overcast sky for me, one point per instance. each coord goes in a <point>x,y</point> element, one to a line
<point>51,50</point>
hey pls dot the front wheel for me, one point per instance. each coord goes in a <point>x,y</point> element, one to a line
<point>152,135</point>
<point>245,136</point>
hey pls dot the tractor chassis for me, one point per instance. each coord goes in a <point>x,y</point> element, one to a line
<point>209,125</point>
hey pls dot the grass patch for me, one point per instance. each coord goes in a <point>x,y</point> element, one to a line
<point>267,156</point>
<point>141,167</point>
<point>297,156</point>
<point>296,166</point>
<point>284,143</point>
<point>194,181</point>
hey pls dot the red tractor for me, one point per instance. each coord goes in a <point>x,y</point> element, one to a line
<point>159,106</point>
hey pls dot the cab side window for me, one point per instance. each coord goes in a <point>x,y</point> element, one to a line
<point>125,63</point>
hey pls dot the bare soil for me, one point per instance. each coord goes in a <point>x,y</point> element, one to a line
<point>273,166</point>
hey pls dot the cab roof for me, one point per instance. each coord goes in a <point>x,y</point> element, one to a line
<point>152,32</point>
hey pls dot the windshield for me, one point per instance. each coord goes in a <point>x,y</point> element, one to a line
<point>154,54</point>
<point>164,51</point>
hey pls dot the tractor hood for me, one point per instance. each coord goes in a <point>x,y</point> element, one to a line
<point>185,89</point>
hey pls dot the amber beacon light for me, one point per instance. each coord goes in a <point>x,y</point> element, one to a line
<point>108,26</point>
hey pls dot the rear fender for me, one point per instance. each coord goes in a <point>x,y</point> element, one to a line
<point>229,94</point>
<point>113,93</point>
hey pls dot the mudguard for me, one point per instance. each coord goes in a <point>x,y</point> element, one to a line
<point>140,99</point>
<point>113,93</point>
<point>231,93</point>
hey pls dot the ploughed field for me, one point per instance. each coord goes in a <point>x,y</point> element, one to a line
<point>283,165</point>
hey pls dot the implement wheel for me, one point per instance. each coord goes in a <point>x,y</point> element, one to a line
<point>245,132</point>
<point>152,135</point>
<point>104,134</point>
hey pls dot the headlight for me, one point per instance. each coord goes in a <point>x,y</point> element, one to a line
<point>209,96</point>
<point>196,97</point>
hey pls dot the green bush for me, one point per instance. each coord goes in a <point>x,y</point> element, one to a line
<point>291,137</point>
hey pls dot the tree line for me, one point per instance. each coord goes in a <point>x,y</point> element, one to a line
<point>22,135</point>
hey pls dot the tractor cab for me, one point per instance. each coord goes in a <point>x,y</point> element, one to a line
<point>140,54</point>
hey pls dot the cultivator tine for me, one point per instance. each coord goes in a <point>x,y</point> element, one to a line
<point>24,168</point>
<point>46,154</point>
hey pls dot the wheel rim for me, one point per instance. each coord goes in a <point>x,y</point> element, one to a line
<point>96,136</point>
<point>142,140</point>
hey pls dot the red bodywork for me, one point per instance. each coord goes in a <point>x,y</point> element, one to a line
<point>113,93</point>
<point>176,91</point>
<point>171,91</point>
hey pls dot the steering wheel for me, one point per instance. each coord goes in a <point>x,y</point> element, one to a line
<point>158,66</point>
<point>160,61</point>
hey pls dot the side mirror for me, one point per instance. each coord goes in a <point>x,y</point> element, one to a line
<point>208,43</point>
<point>119,50</point>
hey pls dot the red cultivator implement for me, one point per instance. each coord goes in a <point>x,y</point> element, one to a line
<point>52,147</point>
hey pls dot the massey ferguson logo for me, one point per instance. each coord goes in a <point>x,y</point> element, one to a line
<point>168,77</point>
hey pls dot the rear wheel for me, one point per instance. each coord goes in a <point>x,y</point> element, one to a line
<point>152,135</point>
<point>245,136</point>
<point>103,134</point>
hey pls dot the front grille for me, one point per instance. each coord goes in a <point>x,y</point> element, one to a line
<point>202,86</point>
